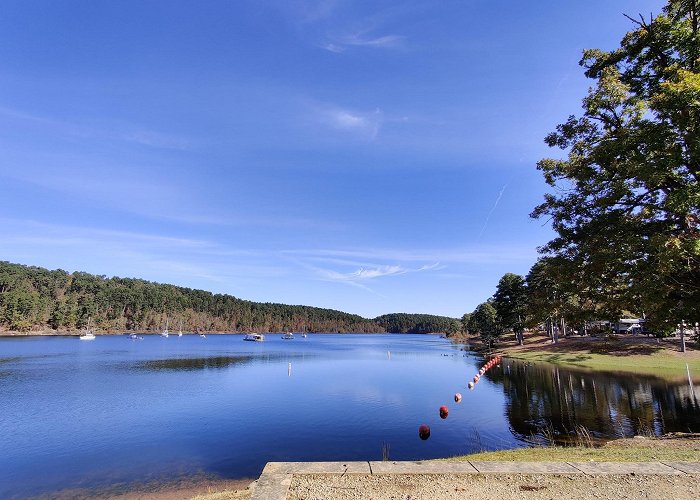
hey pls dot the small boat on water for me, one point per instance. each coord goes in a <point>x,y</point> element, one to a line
<point>202,335</point>
<point>133,336</point>
<point>288,336</point>
<point>88,334</point>
<point>254,337</point>
<point>165,333</point>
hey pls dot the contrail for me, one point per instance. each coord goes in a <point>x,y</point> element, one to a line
<point>491,211</point>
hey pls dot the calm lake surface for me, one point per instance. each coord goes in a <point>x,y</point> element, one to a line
<point>90,414</point>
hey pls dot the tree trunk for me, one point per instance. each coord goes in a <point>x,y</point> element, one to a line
<point>682,337</point>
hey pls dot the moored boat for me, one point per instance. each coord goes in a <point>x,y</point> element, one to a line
<point>254,337</point>
<point>88,334</point>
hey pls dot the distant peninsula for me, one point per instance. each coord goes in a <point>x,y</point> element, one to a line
<point>38,300</point>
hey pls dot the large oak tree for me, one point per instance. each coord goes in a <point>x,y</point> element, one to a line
<point>627,197</point>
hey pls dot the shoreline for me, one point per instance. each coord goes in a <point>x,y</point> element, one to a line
<point>181,488</point>
<point>55,333</point>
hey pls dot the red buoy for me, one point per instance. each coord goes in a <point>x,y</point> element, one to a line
<point>424,432</point>
<point>444,412</point>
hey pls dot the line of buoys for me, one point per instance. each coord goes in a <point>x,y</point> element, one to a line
<point>486,367</point>
<point>424,430</point>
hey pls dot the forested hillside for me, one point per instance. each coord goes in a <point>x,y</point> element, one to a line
<point>35,299</point>
<point>417,323</point>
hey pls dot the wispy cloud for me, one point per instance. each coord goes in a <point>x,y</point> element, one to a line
<point>102,130</point>
<point>366,273</point>
<point>363,123</point>
<point>473,254</point>
<point>359,277</point>
<point>341,44</point>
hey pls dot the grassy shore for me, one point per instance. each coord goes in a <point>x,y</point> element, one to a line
<point>614,353</point>
<point>674,448</point>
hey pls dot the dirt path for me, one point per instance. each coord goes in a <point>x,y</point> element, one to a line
<point>483,487</point>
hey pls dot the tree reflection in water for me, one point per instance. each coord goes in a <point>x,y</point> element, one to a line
<point>216,362</point>
<point>546,403</point>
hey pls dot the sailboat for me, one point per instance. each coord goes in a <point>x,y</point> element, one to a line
<point>164,333</point>
<point>88,335</point>
<point>179,334</point>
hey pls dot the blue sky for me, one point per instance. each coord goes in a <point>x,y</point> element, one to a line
<point>366,156</point>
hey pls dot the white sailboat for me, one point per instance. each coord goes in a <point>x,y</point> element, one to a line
<point>179,334</point>
<point>88,335</point>
<point>165,333</point>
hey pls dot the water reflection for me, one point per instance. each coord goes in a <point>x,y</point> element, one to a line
<point>546,403</point>
<point>185,364</point>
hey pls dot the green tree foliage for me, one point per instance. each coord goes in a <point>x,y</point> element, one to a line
<point>465,322</point>
<point>35,298</point>
<point>510,302</point>
<point>484,321</point>
<point>627,204</point>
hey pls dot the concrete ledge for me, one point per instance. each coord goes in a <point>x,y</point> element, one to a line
<point>525,468</point>
<point>422,468</point>
<point>625,468</point>
<point>271,487</point>
<point>687,467</point>
<point>276,478</point>
<point>317,468</point>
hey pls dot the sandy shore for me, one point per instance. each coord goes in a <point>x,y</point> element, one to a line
<point>181,489</point>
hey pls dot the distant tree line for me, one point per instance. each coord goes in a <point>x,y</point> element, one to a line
<point>418,323</point>
<point>33,298</point>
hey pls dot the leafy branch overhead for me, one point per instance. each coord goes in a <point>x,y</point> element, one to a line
<point>627,208</point>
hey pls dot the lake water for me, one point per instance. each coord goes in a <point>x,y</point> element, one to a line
<point>77,414</point>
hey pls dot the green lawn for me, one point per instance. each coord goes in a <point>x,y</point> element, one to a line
<point>645,363</point>
<point>641,356</point>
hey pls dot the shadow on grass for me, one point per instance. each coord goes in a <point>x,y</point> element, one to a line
<point>594,345</point>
